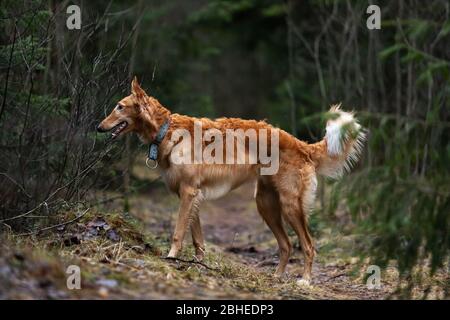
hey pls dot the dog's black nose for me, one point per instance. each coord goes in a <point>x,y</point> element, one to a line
<point>100,129</point>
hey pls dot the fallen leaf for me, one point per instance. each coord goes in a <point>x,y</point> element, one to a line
<point>112,235</point>
<point>98,223</point>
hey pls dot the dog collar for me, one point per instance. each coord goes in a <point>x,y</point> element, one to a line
<point>153,148</point>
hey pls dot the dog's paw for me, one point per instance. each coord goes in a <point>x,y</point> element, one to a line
<point>305,283</point>
<point>199,254</point>
<point>199,257</point>
<point>172,254</point>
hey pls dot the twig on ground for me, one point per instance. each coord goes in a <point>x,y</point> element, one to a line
<point>192,262</point>
<point>336,276</point>
<point>56,225</point>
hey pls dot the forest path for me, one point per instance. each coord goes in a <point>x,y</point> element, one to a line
<point>234,223</point>
<point>232,226</point>
<point>122,255</point>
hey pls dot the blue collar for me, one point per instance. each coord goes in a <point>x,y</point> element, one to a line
<point>153,148</point>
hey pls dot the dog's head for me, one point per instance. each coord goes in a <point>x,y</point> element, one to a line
<point>125,116</point>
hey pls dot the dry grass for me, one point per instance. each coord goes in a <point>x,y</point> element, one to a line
<point>121,257</point>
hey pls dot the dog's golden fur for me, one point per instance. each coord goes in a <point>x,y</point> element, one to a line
<point>287,195</point>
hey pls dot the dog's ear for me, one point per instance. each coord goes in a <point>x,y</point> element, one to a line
<point>136,89</point>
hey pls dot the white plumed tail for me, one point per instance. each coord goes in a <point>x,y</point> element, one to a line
<point>344,142</point>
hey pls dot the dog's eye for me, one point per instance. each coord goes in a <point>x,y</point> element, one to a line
<point>119,107</point>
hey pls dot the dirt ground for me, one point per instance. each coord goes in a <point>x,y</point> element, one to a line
<point>121,256</point>
<point>233,226</point>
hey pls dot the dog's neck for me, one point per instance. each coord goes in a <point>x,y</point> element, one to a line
<point>153,116</point>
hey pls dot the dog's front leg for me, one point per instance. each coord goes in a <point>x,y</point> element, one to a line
<point>190,198</point>
<point>197,237</point>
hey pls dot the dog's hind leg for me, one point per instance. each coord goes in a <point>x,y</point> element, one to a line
<point>197,237</point>
<point>294,201</point>
<point>190,198</point>
<point>268,205</point>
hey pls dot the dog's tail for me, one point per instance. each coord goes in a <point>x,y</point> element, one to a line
<point>341,147</point>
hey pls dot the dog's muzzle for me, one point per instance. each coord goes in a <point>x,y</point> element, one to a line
<point>100,129</point>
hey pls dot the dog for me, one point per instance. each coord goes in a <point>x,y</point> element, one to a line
<point>287,195</point>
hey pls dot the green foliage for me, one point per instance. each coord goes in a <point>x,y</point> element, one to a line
<point>222,11</point>
<point>418,29</point>
<point>386,52</point>
<point>409,218</point>
<point>28,49</point>
<point>402,199</point>
<point>274,10</point>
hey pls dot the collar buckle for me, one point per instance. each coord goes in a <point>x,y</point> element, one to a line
<point>153,148</point>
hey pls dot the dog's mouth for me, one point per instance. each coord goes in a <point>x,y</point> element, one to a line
<point>117,130</point>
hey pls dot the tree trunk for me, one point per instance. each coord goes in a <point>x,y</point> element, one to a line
<point>129,157</point>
